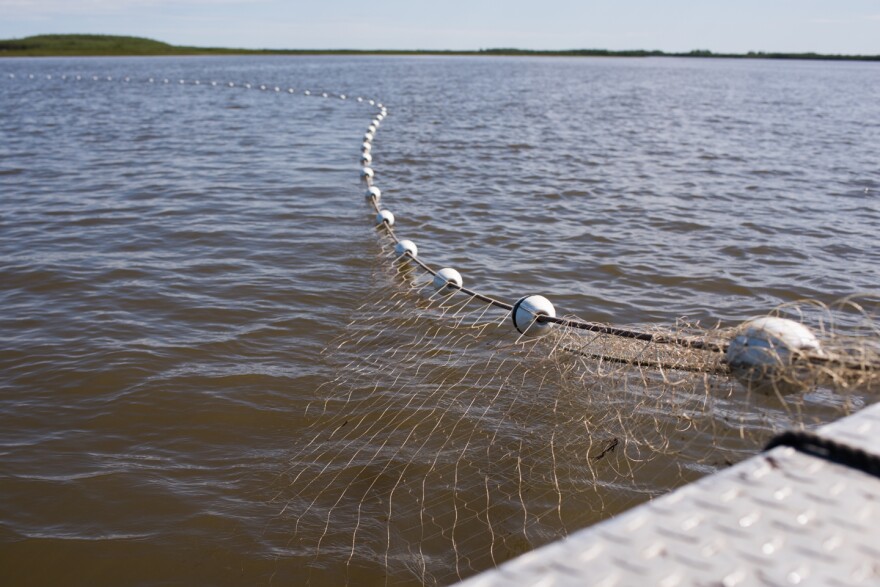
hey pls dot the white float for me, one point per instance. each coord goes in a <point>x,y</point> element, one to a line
<point>447,280</point>
<point>374,193</point>
<point>367,173</point>
<point>366,159</point>
<point>526,311</point>
<point>385,217</point>
<point>366,147</point>
<point>406,246</point>
<point>764,349</point>
<point>368,137</point>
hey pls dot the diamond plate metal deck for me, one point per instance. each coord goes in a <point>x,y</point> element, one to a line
<point>780,518</point>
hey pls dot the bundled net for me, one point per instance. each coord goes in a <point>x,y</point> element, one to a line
<point>450,443</point>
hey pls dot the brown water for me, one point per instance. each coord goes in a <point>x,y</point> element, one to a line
<point>174,258</point>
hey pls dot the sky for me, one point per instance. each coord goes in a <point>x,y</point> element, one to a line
<point>737,26</point>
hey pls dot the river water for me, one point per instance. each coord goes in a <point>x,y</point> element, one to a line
<point>174,258</point>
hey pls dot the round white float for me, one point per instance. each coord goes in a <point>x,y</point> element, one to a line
<point>366,147</point>
<point>526,311</point>
<point>386,217</point>
<point>367,173</point>
<point>445,279</point>
<point>373,192</point>
<point>368,137</point>
<point>366,159</point>
<point>406,246</point>
<point>764,349</point>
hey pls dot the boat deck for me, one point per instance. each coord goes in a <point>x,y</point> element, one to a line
<point>788,516</point>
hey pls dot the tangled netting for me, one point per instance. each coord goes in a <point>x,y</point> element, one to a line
<point>449,442</point>
<point>459,444</point>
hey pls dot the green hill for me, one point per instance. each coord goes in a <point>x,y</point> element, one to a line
<point>92,45</point>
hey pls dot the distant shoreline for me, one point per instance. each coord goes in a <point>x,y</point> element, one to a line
<point>115,46</point>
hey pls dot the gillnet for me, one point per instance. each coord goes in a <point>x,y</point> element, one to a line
<point>453,439</point>
<point>450,443</point>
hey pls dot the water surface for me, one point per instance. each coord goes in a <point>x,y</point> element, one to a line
<point>173,258</point>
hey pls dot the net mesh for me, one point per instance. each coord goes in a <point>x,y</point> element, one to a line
<point>449,444</point>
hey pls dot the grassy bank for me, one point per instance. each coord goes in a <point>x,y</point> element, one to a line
<point>108,46</point>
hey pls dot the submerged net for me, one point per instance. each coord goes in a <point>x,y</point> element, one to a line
<point>459,443</point>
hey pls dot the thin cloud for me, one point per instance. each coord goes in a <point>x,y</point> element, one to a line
<point>831,21</point>
<point>35,8</point>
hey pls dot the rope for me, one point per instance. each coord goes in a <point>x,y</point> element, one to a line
<point>695,343</point>
<point>824,448</point>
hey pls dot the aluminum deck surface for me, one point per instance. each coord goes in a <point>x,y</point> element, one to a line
<point>783,517</point>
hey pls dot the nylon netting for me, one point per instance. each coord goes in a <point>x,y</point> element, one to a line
<point>461,444</point>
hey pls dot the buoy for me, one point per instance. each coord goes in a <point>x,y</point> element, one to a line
<point>342,96</point>
<point>290,90</point>
<point>372,128</point>
<point>307,93</point>
<point>197,82</point>
<point>373,192</point>
<point>325,95</point>
<point>231,84</point>
<point>526,311</point>
<point>214,84</point>
<point>371,102</point>
<point>763,352</point>
<point>151,80</point>
<point>366,147</point>
<point>385,216</point>
<point>366,158</point>
<point>447,280</point>
<point>368,137</point>
<point>263,87</point>
<point>277,89</point>
<point>247,86</point>
<point>406,246</point>
<point>367,173</point>
<point>360,99</point>
<point>375,122</point>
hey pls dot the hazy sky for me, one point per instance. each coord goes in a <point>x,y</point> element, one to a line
<point>827,26</point>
